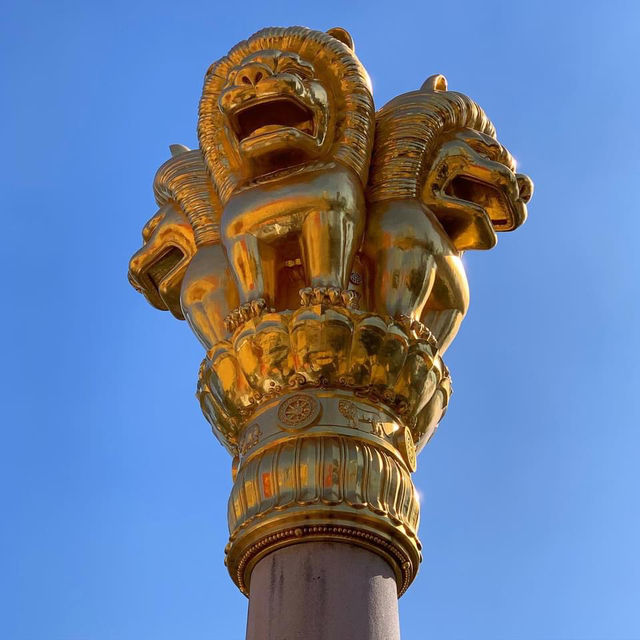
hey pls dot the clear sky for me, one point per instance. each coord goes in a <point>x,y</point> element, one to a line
<point>113,489</point>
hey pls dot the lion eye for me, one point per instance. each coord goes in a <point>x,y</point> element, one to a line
<point>483,149</point>
<point>297,71</point>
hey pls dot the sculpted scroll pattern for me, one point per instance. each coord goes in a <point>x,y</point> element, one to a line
<point>314,247</point>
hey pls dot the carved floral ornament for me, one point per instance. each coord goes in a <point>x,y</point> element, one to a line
<point>313,245</point>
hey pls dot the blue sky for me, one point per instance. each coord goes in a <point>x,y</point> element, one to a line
<point>114,491</point>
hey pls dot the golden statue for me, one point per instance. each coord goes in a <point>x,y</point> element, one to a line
<point>440,183</point>
<point>313,245</point>
<point>287,134</point>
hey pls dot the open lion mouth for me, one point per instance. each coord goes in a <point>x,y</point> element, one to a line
<point>490,198</point>
<point>164,264</point>
<point>267,116</point>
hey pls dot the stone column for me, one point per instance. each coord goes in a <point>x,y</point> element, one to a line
<point>323,591</point>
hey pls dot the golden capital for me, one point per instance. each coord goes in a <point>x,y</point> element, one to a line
<point>313,245</point>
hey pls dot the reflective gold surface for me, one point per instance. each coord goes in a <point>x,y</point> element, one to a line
<point>313,245</point>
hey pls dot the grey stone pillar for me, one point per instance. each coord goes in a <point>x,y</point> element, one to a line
<point>323,591</point>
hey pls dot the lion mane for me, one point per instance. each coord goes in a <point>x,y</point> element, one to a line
<point>183,179</point>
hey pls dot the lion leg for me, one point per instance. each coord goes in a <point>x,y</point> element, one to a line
<point>448,302</point>
<point>403,278</point>
<point>246,260</point>
<point>400,257</point>
<point>328,247</point>
<point>208,294</point>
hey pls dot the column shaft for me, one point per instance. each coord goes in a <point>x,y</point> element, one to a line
<point>323,591</point>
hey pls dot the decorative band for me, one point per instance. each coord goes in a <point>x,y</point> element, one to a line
<point>402,565</point>
<point>322,413</point>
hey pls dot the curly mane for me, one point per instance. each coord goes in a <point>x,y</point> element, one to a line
<point>408,129</point>
<point>354,138</point>
<point>183,179</point>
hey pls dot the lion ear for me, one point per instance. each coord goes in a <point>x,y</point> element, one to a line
<point>435,83</point>
<point>343,35</point>
<point>178,149</point>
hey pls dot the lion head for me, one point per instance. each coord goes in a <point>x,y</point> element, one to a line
<point>188,217</point>
<point>285,98</point>
<point>439,147</point>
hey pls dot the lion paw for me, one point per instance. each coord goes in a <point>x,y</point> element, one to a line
<point>419,330</point>
<point>328,295</point>
<point>243,313</point>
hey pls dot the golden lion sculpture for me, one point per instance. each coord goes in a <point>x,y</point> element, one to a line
<point>440,183</point>
<point>300,203</point>
<point>286,125</point>
<point>169,244</point>
<point>181,266</point>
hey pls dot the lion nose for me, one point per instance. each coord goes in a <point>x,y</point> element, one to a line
<point>525,184</point>
<point>252,74</point>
